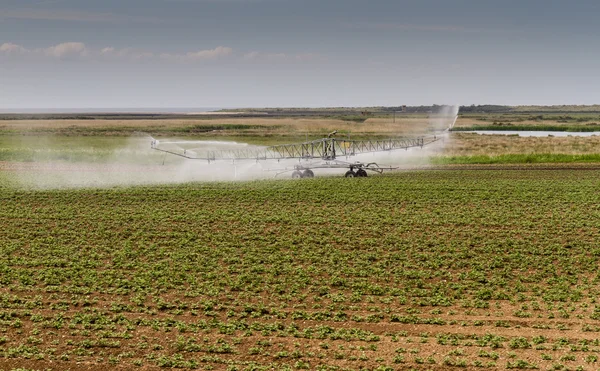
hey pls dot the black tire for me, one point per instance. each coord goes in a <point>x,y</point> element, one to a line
<point>296,175</point>
<point>350,174</point>
<point>308,173</point>
<point>361,173</point>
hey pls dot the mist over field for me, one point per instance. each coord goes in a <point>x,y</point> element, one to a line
<point>131,161</point>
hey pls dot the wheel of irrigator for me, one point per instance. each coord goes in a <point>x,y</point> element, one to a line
<point>361,173</point>
<point>308,174</point>
<point>296,174</point>
<point>350,174</point>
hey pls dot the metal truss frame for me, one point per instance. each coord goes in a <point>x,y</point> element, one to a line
<point>325,149</point>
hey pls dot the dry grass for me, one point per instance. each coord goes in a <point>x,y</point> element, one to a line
<point>275,126</point>
<point>471,121</point>
<point>55,124</point>
<point>466,144</point>
<point>413,123</point>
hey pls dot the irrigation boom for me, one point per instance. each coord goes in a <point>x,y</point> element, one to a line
<point>326,149</point>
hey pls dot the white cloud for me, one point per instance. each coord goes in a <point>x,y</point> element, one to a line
<point>250,56</point>
<point>68,49</point>
<point>79,50</point>
<point>218,52</point>
<point>129,53</point>
<point>10,48</point>
<point>63,50</point>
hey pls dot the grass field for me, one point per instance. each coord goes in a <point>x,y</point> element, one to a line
<point>423,270</point>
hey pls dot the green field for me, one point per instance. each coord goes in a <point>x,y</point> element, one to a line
<point>421,269</point>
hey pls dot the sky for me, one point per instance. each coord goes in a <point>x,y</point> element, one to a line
<point>297,53</point>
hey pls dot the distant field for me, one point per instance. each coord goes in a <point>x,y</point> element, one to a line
<point>473,148</point>
<point>216,126</point>
<point>528,121</point>
<point>423,270</point>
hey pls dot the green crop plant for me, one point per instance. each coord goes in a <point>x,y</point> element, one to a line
<point>450,264</point>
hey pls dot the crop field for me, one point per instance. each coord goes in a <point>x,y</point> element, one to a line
<point>462,266</point>
<point>463,269</point>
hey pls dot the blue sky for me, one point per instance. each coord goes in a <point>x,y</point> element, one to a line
<point>257,53</point>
